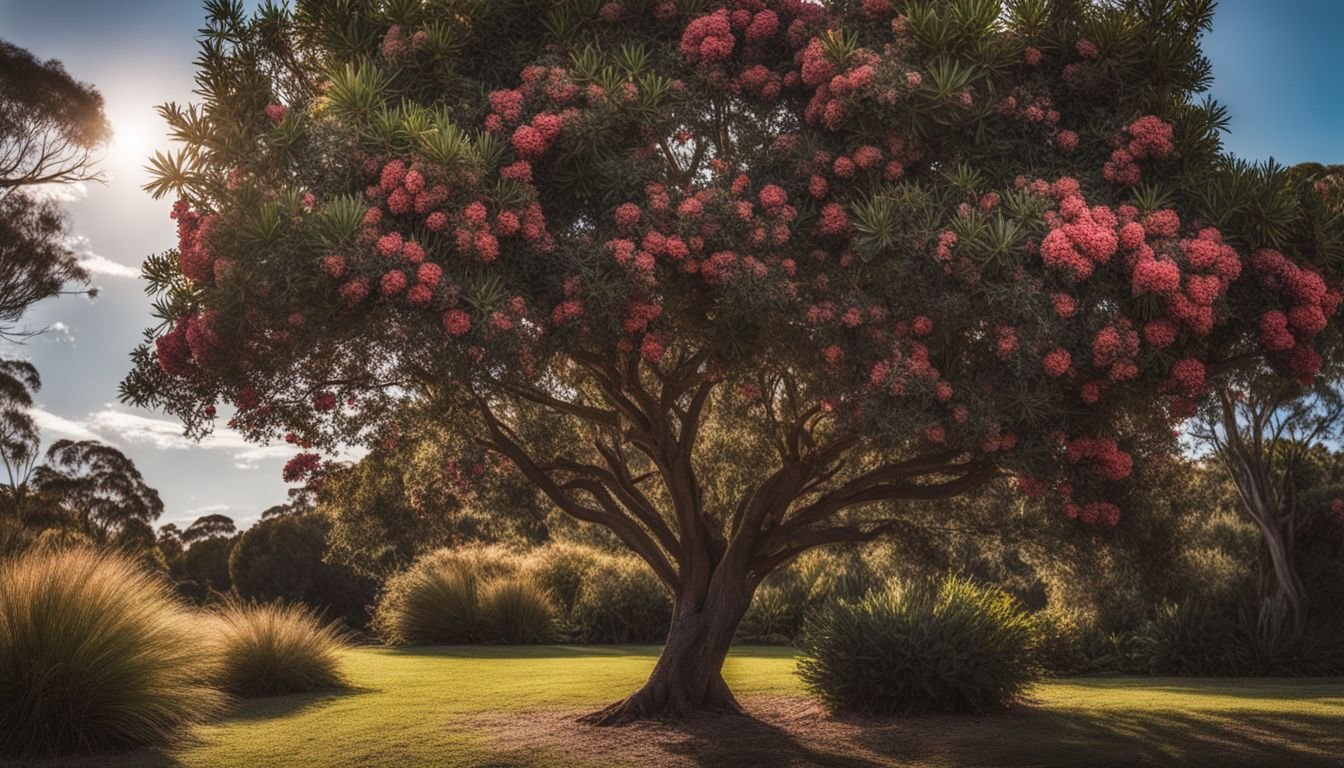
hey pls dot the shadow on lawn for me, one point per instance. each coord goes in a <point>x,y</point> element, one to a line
<point>524,651</point>
<point>247,710</point>
<point>1263,689</point>
<point>754,743</point>
<point>1113,738</point>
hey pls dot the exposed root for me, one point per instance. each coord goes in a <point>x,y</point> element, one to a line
<point>643,705</point>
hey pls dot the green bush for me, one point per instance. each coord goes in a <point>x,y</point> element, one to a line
<point>621,601</point>
<point>95,654</point>
<point>1207,639</point>
<point>466,595</point>
<point>949,646</point>
<point>434,601</point>
<point>1193,638</point>
<point>775,616</point>
<point>515,611</point>
<point>561,568</point>
<point>275,649</point>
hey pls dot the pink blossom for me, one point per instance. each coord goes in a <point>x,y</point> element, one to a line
<point>393,282</point>
<point>1057,362</point>
<point>456,322</point>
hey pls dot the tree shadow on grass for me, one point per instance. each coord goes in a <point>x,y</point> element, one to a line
<point>270,707</point>
<point>524,651</point>
<point>747,741</point>
<point>1245,688</point>
<point>1115,737</point>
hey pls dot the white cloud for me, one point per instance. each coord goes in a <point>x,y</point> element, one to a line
<point>59,333</point>
<point>96,263</point>
<point>61,193</point>
<point>111,425</point>
<point>50,423</point>
<point>210,509</point>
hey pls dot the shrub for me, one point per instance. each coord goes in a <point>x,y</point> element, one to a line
<point>1196,637</point>
<point>95,654</point>
<point>622,601</point>
<point>949,646</point>
<point>275,649</point>
<point>775,616</point>
<point>515,611</point>
<point>1208,639</point>
<point>465,595</point>
<point>561,569</point>
<point>434,601</point>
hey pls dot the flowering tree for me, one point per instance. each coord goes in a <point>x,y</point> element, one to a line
<point>863,253</point>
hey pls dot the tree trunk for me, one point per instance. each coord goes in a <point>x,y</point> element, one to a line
<point>688,677</point>
<point>1291,598</point>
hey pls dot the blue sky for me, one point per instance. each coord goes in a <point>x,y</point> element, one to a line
<point>1279,69</point>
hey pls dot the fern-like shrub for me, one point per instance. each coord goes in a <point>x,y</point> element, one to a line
<point>948,646</point>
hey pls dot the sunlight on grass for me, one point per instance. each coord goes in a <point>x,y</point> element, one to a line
<point>430,706</point>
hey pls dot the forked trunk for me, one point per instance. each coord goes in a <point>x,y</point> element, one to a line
<point>688,677</point>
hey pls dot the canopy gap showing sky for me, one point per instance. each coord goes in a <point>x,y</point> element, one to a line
<point>1279,68</point>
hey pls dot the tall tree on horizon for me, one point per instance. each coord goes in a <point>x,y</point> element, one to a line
<point>52,128</point>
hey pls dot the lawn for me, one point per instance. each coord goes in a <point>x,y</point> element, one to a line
<point>496,706</point>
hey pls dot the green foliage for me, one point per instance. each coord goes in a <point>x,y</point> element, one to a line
<point>621,601</point>
<point>95,654</point>
<point>561,568</point>
<point>282,559</point>
<point>948,646</point>
<point>515,611</point>
<point>439,598</point>
<point>274,649</point>
<point>206,568</point>
<point>788,596</point>
<point>775,617</point>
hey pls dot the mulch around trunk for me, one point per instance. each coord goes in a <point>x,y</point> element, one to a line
<point>775,732</point>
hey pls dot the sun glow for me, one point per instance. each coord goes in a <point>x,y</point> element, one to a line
<point>134,138</point>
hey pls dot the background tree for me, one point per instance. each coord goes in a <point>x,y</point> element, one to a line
<point>19,438</point>
<point>209,541</point>
<point>282,558</point>
<point>1264,436</point>
<point>207,527</point>
<point>896,253</point>
<point>51,129</point>
<point>51,125</point>
<point>422,493</point>
<point>99,487</point>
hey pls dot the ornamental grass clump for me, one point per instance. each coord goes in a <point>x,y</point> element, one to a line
<point>431,602</point>
<point>948,646</point>
<point>275,649</point>
<point>95,654</point>
<point>514,610</point>
<point>622,601</point>
<point>476,594</point>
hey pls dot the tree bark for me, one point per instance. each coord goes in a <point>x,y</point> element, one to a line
<point>688,676</point>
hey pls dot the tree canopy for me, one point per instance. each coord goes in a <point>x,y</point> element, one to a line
<point>894,250</point>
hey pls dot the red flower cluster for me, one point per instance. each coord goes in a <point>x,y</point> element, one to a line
<point>1287,336</point>
<point>1080,238</point>
<point>709,38</point>
<point>1100,514</point>
<point>1102,455</point>
<point>1149,137</point>
<point>194,256</point>
<point>301,467</point>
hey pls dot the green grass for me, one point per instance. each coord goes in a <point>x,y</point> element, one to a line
<point>512,706</point>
